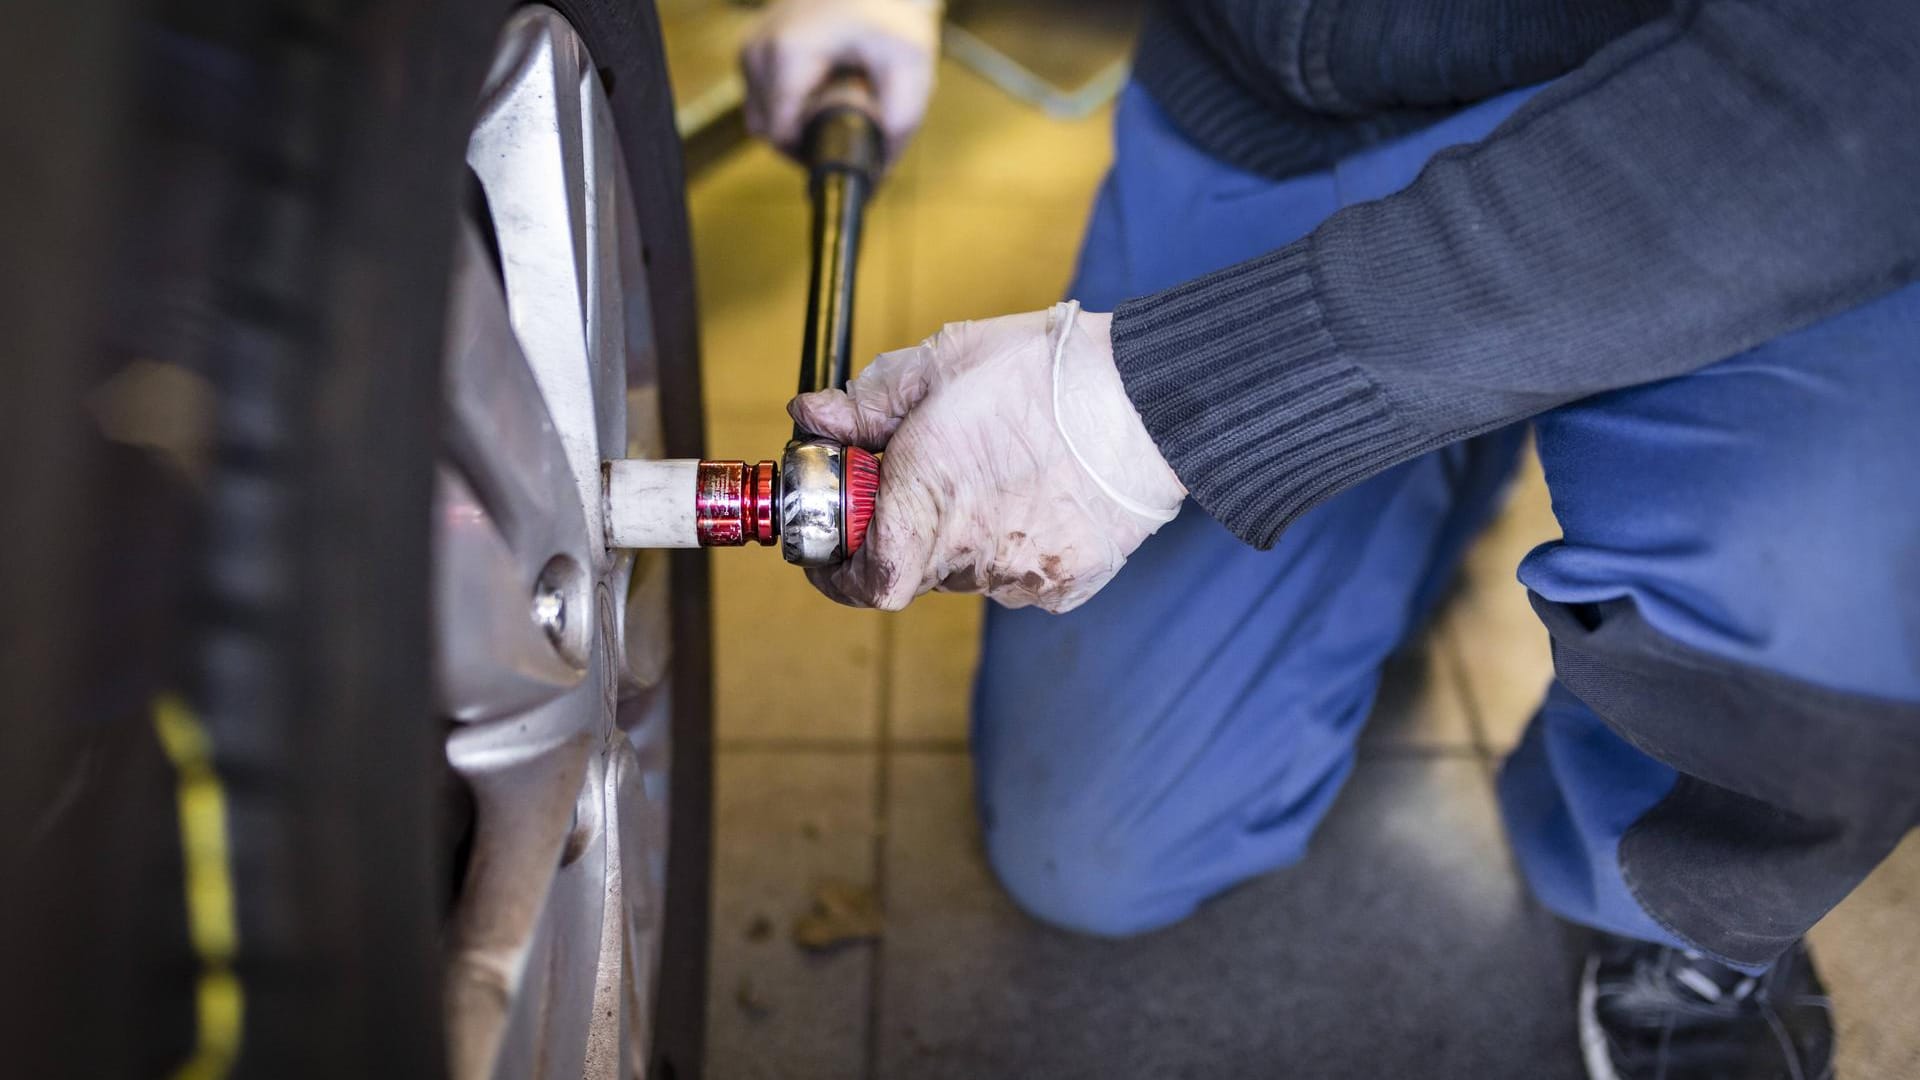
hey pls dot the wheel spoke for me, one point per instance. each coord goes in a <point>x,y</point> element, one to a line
<point>522,818</point>
<point>645,437</point>
<point>526,942</point>
<point>532,154</point>
<point>625,974</point>
<point>507,513</point>
<point>609,231</point>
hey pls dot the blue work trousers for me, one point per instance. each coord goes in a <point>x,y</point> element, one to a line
<point>1189,727</point>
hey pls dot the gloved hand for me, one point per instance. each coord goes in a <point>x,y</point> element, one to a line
<point>798,43</point>
<point>1015,464</point>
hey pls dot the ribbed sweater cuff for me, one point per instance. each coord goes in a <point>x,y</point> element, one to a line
<point>1247,393</point>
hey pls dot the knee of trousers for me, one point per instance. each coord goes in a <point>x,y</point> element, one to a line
<point>1788,793</point>
<point>1066,875</point>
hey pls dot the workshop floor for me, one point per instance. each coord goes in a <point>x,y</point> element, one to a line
<point>1403,946</point>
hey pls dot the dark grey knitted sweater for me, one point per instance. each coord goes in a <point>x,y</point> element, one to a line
<point>1719,176</point>
<point>1286,86</point>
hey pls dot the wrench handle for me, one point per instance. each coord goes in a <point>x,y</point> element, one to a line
<point>843,151</point>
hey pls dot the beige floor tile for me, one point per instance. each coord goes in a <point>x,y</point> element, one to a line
<point>752,271</point>
<point>980,143</point>
<point>750,174</point>
<point>791,665</point>
<point>787,822</point>
<point>1502,647</point>
<point>999,206</point>
<point>748,433</point>
<point>1868,951</point>
<point>936,644</point>
<point>976,261</point>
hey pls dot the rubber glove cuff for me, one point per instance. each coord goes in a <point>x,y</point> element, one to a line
<point>1097,421</point>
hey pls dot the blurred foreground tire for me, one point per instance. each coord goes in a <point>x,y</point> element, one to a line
<point>231,231</point>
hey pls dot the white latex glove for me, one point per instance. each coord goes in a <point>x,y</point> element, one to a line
<point>1015,465</point>
<point>798,43</point>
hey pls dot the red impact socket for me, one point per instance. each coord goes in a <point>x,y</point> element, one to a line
<point>817,504</point>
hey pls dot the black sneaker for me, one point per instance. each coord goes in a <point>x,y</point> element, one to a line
<point>1648,1012</point>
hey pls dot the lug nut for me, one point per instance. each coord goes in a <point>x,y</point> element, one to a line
<point>550,610</point>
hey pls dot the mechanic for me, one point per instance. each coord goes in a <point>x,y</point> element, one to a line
<point>1346,254</point>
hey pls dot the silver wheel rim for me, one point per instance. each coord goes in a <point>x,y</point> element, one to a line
<point>551,651</point>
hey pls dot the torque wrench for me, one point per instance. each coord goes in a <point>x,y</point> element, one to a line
<point>816,503</point>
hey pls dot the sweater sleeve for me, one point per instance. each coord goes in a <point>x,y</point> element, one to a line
<point>1357,58</point>
<point>1707,183</point>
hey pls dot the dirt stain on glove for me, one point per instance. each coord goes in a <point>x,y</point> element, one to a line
<point>963,580</point>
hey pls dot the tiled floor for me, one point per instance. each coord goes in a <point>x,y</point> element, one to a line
<point>1404,946</point>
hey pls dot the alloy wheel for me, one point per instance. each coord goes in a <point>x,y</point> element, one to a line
<point>551,650</point>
